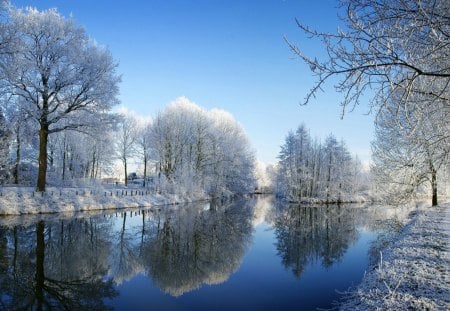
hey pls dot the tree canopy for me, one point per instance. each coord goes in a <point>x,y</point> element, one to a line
<point>59,76</point>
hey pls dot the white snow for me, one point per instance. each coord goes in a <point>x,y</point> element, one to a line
<point>24,200</point>
<point>414,270</point>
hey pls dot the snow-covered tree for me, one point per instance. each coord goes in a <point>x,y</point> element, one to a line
<point>64,77</point>
<point>308,169</point>
<point>143,145</point>
<point>397,52</point>
<point>23,131</point>
<point>7,33</point>
<point>412,149</point>
<point>126,141</point>
<point>232,161</point>
<point>386,48</point>
<point>202,150</point>
<point>263,177</point>
<point>76,155</point>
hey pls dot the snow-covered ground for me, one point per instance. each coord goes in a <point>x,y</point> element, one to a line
<point>414,270</point>
<point>24,200</point>
<point>361,198</point>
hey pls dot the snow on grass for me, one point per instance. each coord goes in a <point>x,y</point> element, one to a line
<point>413,273</point>
<point>24,200</point>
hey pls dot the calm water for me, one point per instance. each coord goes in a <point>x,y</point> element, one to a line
<point>246,255</point>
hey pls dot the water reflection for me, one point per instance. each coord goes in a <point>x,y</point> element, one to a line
<point>188,249</point>
<point>55,266</point>
<point>318,233</point>
<point>77,262</point>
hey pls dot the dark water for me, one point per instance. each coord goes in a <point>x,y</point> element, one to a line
<point>245,255</point>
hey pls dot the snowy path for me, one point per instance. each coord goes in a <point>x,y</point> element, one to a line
<point>414,273</point>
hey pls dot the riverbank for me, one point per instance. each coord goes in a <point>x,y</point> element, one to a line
<point>334,200</point>
<point>24,200</point>
<point>413,272</point>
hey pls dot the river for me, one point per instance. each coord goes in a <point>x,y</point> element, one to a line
<point>251,254</point>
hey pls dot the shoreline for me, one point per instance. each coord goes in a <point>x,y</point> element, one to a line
<point>413,272</point>
<point>16,201</point>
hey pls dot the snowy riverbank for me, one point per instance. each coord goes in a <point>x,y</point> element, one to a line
<point>335,200</point>
<point>24,200</point>
<point>414,271</point>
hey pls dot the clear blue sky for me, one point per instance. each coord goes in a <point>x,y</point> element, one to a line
<point>228,54</point>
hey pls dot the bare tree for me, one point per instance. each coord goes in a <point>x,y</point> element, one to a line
<point>126,143</point>
<point>144,145</point>
<point>386,47</point>
<point>63,76</point>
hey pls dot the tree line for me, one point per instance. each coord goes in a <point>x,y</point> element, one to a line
<point>308,168</point>
<point>58,88</point>
<point>396,53</point>
<point>197,149</point>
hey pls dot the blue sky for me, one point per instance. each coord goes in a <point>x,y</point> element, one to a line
<point>222,54</point>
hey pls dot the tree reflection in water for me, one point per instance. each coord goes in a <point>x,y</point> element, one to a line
<point>306,234</point>
<point>77,263</point>
<point>58,265</point>
<point>194,247</point>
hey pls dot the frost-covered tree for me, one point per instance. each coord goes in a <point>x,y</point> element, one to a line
<point>231,159</point>
<point>308,169</point>
<point>411,149</point>
<point>126,141</point>
<point>201,150</point>
<point>338,165</point>
<point>23,132</point>
<point>386,48</point>
<point>7,33</point>
<point>143,145</point>
<point>397,52</point>
<point>67,80</point>
<point>263,175</point>
<point>81,155</point>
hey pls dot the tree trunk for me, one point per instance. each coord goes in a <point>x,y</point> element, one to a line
<point>42,174</point>
<point>71,163</point>
<point>64,159</point>
<point>145,171</point>
<point>126,174</point>
<point>16,167</point>
<point>96,168</point>
<point>434,198</point>
<point>329,179</point>
<point>93,165</point>
<point>51,157</point>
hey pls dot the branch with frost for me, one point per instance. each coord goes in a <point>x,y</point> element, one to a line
<point>385,47</point>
